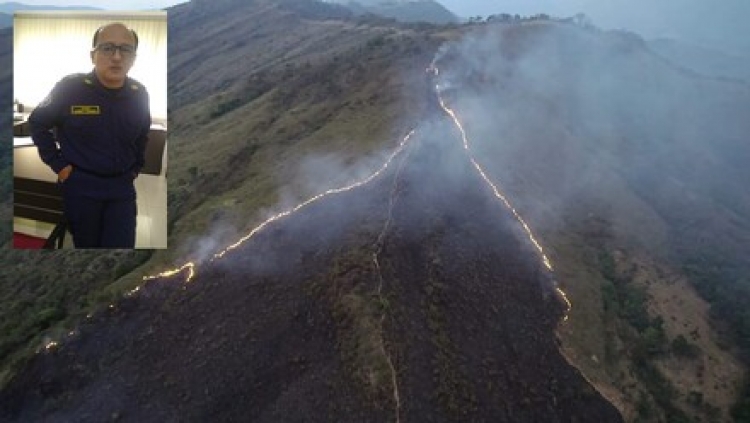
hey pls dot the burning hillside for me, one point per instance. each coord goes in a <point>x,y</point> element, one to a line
<point>426,287</point>
<point>410,298</point>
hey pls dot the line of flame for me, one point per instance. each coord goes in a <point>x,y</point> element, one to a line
<point>191,266</point>
<point>317,197</point>
<point>498,194</point>
<point>494,187</point>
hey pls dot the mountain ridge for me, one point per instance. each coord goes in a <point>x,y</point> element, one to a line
<point>10,7</point>
<point>428,11</point>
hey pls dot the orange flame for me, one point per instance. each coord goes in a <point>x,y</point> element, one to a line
<point>498,194</point>
<point>167,273</point>
<point>191,266</point>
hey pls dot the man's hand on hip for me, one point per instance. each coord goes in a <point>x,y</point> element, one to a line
<point>64,173</point>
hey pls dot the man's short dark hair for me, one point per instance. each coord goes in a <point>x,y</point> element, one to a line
<point>98,30</point>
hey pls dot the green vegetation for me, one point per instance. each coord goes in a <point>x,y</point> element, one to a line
<point>683,348</point>
<point>662,391</point>
<point>724,283</point>
<point>264,123</point>
<point>628,302</point>
<point>45,292</point>
<point>741,409</point>
<point>351,287</point>
<point>647,342</point>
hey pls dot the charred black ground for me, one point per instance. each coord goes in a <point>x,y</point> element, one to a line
<point>616,157</point>
<point>287,327</point>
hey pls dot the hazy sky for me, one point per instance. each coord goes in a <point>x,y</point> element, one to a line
<point>707,22</point>
<point>108,4</point>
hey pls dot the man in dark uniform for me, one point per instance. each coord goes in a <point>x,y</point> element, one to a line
<point>92,131</point>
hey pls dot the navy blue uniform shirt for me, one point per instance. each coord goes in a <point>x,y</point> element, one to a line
<point>100,131</point>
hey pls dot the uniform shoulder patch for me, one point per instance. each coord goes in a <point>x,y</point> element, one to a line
<point>74,77</point>
<point>73,80</point>
<point>135,85</point>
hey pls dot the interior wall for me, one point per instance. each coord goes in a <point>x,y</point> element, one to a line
<point>50,45</point>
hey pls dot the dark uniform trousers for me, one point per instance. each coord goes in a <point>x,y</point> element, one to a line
<point>106,220</point>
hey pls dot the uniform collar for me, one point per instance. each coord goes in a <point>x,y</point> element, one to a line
<point>111,91</point>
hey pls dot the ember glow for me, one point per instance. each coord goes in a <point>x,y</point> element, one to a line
<point>494,187</point>
<point>190,266</point>
<point>320,196</point>
<point>133,291</point>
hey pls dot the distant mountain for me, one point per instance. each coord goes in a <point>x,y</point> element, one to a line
<point>703,60</point>
<point>7,9</point>
<point>404,10</point>
<point>11,7</point>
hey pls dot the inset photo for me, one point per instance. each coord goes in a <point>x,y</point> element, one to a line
<point>90,129</point>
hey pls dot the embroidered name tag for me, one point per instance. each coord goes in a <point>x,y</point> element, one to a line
<point>84,110</point>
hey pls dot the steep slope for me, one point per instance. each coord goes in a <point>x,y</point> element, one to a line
<point>236,141</point>
<point>628,167</point>
<point>409,299</point>
<point>617,199</point>
<point>274,93</point>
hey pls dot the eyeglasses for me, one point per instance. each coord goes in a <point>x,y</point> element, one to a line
<point>109,49</point>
